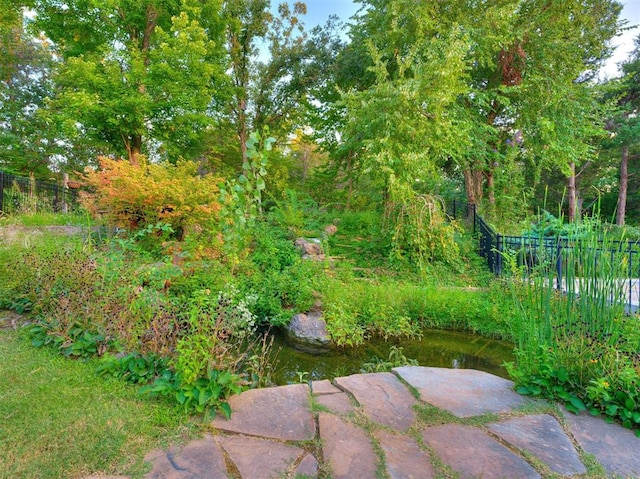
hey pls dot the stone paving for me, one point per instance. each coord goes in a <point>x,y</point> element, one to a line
<point>416,422</point>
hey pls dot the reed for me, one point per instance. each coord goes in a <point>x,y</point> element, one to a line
<point>574,341</point>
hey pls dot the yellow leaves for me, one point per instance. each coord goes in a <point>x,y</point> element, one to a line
<point>143,194</point>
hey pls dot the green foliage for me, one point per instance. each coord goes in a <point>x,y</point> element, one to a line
<point>281,281</point>
<point>577,346</point>
<point>241,198</point>
<point>133,75</point>
<point>396,359</point>
<point>293,212</point>
<point>355,309</point>
<point>422,233</point>
<point>133,367</point>
<point>205,395</point>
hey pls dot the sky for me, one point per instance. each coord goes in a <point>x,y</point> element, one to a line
<point>318,12</point>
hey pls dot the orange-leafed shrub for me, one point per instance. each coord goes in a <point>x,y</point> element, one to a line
<point>135,196</point>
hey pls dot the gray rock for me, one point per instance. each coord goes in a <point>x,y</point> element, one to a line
<point>259,458</point>
<point>348,452</point>
<point>384,398</point>
<point>616,448</point>
<point>310,249</point>
<point>279,413</point>
<point>463,392</point>
<point>472,453</point>
<point>403,457</point>
<point>308,332</point>
<point>542,436</point>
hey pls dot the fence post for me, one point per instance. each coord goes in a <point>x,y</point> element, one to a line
<point>559,264</point>
<point>475,216</point>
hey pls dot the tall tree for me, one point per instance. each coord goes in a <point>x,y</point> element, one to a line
<point>625,125</point>
<point>27,142</point>
<point>523,59</point>
<point>137,75</point>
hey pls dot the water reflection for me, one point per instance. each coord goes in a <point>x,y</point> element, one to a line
<point>447,349</point>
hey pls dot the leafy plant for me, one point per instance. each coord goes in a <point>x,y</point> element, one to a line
<point>241,198</point>
<point>73,340</point>
<point>575,345</point>
<point>421,232</point>
<point>396,359</point>
<point>206,394</point>
<point>134,367</point>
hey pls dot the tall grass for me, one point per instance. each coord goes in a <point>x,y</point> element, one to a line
<point>357,309</point>
<point>573,339</point>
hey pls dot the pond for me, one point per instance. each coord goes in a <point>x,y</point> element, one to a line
<point>437,348</point>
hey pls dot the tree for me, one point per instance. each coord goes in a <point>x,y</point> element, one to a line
<point>136,75</point>
<point>521,61</point>
<point>27,140</point>
<point>625,125</point>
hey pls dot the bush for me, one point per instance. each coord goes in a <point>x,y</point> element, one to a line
<point>136,196</point>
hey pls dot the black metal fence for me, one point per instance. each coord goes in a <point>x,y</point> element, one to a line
<point>530,251</point>
<point>28,195</point>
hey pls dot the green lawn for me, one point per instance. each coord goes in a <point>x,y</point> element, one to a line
<point>59,420</point>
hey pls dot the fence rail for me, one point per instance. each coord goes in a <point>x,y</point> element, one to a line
<point>557,251</point>
<point>28,195</point>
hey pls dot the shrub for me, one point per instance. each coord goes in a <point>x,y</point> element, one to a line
<point>136,196</point>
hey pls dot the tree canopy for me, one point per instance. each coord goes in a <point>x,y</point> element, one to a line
<point>480,97</point>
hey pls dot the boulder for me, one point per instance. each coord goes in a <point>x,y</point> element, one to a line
<point>310,249</point>
<point>308,332</point>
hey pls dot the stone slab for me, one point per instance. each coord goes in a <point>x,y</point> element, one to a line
<point>279,413</point>
<point>615,447</point>
<point>323,387</point>
<point>199,458</point>
<point>308,467</point>
<point>337,403</point>
<point>384,398</point>
<point>260,458</point>
<point>463,392</point>
<point>542,436</point>
<point>348,452</point>
<point>403,457</point>
<point>472,453</point>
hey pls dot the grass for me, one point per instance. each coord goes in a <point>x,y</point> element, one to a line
<point>46,219</point>
<point>58,419</point>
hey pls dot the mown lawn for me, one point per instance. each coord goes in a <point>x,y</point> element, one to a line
<point>59,420</point>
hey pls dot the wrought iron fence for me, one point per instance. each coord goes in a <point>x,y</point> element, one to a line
<point>28,195</point>
<point>530,251</point>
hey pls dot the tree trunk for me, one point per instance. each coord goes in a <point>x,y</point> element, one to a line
<point>473,180</point>
<point>622,189</point>
<point>242,129</point>
<point>572,193</point>
<point>134,149</point>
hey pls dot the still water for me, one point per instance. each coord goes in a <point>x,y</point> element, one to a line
<point>445,349</point>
